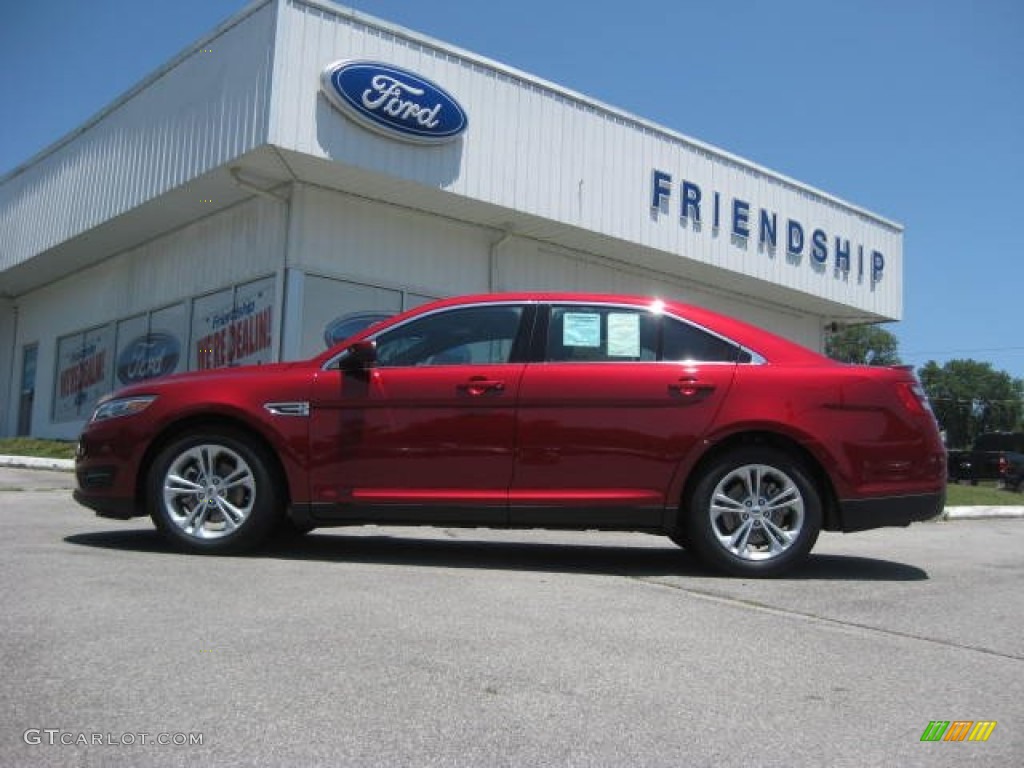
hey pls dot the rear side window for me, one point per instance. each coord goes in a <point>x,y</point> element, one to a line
<point>681,341</point>
<point>622,334</point>
<point>601,334</point>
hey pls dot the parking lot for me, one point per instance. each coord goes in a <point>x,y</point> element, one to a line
<point>445,647</point>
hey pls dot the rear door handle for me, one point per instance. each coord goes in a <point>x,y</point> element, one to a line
<point>481,385</point>
<point>690,388</point>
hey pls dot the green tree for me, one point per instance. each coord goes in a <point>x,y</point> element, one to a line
<point>863,345</point>
<point>971,397</point>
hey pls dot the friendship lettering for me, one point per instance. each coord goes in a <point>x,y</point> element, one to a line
<point>744,224</point>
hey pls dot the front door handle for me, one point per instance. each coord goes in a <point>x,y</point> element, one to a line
<point>690,388</point>
<point>481,385</point>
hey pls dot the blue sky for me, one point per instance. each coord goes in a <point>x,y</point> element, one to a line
<point>913,109</point>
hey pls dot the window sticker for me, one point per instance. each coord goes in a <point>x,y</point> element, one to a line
<point>581,329</point>
<point>623,334</point>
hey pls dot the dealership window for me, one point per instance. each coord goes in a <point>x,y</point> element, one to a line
<point>334,309</point>
<point>27,394</point>
<point>151,344</point>
<point>413,300</point>
<point>84,372</point>
<point>233,327</point>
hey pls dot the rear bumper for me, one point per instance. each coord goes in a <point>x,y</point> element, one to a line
<point>865,514</point>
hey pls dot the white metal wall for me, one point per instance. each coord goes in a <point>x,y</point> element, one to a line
<point>528,265</point>
<point>537,148</point>
<point>197,113</point>
<point>244,242</point>
<point>347,237</point>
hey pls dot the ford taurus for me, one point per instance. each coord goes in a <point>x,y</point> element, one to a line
<point>528,411</point>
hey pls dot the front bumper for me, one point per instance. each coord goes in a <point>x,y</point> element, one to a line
<point>106,464</point>
<point>107,506</point>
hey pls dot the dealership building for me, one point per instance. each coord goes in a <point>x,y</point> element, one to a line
<point>305,162</point>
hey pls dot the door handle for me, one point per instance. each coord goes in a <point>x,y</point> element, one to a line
<point>481,385</point>
<point>690,388</point>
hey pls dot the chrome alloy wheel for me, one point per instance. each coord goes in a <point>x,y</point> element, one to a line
<point>756,512</point>
<point>208,491</point>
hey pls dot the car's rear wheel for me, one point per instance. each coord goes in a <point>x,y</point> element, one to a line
<point>213,493</point>
<point>754,512</point>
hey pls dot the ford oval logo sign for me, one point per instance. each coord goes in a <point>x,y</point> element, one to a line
<point>148,356</point>
<point>393,101</point>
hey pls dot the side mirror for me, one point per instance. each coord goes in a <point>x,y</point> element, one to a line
<point>362,354</point>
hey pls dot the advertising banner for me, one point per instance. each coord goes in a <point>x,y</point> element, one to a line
<point>235,332</point>
<point>84,364</point>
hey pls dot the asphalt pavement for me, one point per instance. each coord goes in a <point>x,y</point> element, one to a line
<point>465,647</point>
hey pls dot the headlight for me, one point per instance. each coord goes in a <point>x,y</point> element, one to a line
<point>121,406</point>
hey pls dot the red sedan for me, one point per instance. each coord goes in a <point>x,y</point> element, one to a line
<point>523,411</point>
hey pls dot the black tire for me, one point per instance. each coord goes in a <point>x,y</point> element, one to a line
<point>756,534</point>
<point>680,538</point>
<point>288,529</point>
<point>213,492</point>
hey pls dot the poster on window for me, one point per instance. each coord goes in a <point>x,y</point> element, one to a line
<point>234,331</point>
<point>84,364</point>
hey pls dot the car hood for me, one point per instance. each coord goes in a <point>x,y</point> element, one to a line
<point>215,376</point>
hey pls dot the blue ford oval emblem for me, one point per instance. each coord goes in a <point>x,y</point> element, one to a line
<point>148,356</point>
<point>393,101</point>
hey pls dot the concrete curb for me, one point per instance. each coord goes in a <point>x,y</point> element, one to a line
<point>980,513</point>
<point>33,462</point>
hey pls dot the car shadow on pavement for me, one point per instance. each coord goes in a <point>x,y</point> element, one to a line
<point>600,559</point>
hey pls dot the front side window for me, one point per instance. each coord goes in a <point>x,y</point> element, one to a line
<point>468,335</point>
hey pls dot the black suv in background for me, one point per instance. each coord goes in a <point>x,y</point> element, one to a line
<point>995,456</point>
<point>1014,477</point>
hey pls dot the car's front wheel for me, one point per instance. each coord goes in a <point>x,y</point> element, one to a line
<point>213,493</point>
<point>754,512</point>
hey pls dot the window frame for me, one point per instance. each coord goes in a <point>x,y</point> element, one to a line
<point>521,343</point>
<point>539,346</point>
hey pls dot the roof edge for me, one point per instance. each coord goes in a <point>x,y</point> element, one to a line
<point>342,11</point>
<point>140,86</point>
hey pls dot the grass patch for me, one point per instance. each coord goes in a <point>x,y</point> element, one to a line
<point>982,495</point>
<point>34,446</point>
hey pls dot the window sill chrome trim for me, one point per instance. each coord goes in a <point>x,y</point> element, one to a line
<point>291,408</point>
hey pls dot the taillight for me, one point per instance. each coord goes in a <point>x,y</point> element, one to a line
<point>1003,466</point>
<point>913,397</point>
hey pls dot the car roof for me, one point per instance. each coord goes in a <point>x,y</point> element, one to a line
<point>772,347</point>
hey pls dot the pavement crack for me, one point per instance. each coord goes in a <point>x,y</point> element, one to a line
<point>756,605</point>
